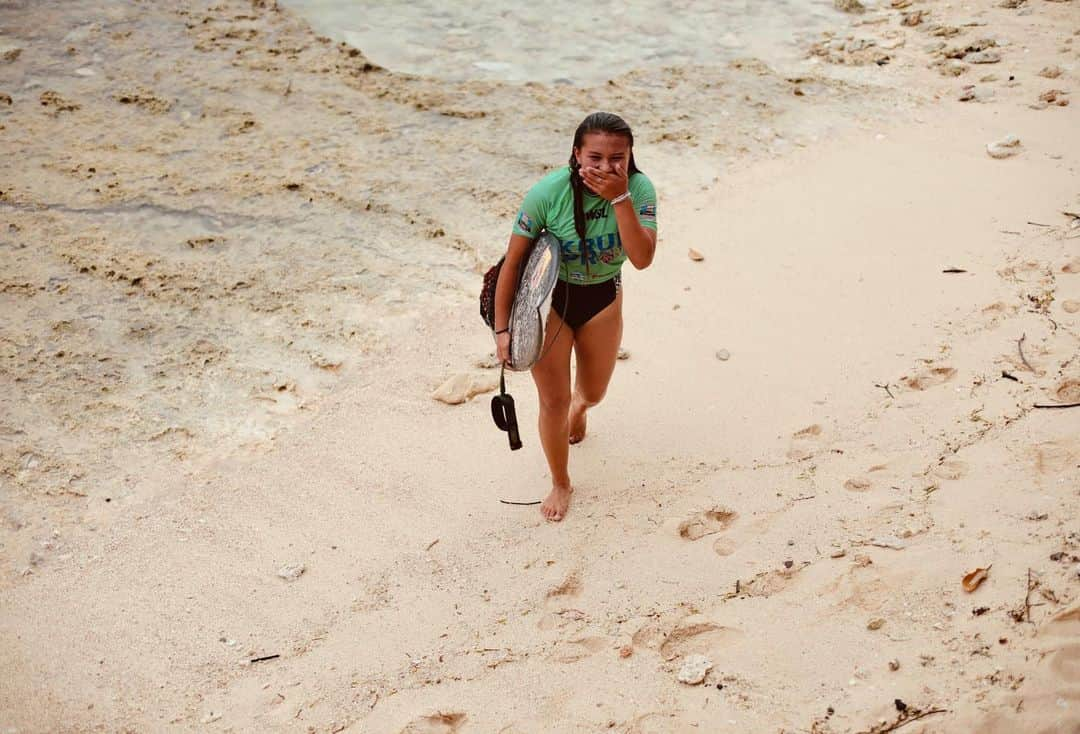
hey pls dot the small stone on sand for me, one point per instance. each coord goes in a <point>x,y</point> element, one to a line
<point>694,669</point>
<point>723,355</point>
<point>953,67</point>
<point>849,6</point>
<point>972,92</point>
<point>983,57</point>
<point>463,387</point>
<point>291,571</point>
<point>1007,146</point>
<point>9,51</point>
<point>486,361</point>
<point>888,541</point>
<point>695,255</point>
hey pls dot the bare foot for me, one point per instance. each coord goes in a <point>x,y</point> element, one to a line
<point>577,421</point>
<point>556,504</point>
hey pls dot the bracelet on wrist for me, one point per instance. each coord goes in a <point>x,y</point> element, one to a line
<point>621,197</point>
<point>502,331</point>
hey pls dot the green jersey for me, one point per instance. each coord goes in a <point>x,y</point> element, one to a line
<point>550,205</point>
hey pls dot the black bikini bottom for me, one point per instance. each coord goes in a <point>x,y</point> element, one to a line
<point>581,302</point>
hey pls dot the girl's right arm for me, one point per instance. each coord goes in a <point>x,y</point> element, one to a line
<point>516,252</point>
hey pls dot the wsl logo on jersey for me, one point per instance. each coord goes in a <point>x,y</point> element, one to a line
<point>524,222</point>
<point>647,212</point>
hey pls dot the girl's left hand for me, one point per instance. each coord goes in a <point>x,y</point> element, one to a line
<point>607,185</point>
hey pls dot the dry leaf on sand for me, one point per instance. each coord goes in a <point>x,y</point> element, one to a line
<point>976,577</point>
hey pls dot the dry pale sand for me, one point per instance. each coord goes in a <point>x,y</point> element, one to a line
<point>237,260</point>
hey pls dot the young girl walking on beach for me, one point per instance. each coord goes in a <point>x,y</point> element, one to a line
<point>603,211</point>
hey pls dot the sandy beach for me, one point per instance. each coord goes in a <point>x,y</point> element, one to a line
<point>237,258</point>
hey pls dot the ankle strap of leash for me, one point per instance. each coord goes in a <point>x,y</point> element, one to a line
<point>503,413</point>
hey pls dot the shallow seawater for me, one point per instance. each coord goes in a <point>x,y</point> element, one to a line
<point>566,40</point>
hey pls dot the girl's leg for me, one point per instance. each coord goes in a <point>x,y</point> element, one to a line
<point>596,347</point>
<point>552,377</point>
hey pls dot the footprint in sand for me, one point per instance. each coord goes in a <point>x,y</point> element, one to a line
<point>563,619</point>
<point>696,635</point>
<point>995,312</point>
<point>439,722</point>
<point>858,484</point>
<point>802,441</point>
<point>1029,271</point>
<point>1073,266</point>
<point>576,650</point>
<point>559,615</point>
<point>931,378</point>
<point>951,469</point>
<point>1053,457</point>
<point>767,583</point>
<point>706,523</point>
<point>691,635</point>
<point>723,546</point>
<point>1068,391</point>
<point>1066,663</point>
<point>570,586</point>
<point>648,723</point>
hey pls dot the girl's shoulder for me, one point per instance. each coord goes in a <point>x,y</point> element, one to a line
<point>638,182</point>
<point>549,188</point>
<point>554,180</point>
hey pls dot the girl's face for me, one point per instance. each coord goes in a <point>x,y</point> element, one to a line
<point>604,151</point>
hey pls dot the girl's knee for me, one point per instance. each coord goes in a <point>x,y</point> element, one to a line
<point>591,396</point>
<point>558,404</point>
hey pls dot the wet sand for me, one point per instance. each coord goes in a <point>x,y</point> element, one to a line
<point>238,259</point>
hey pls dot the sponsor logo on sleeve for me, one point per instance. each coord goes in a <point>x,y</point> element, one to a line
<point>524,222</point>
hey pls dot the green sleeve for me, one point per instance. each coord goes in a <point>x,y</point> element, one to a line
<point>531,218</point>
<point>644,195</point>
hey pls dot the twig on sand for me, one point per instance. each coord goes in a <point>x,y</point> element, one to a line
<point>1009,376</point>
<point>509,502</point>
<point>906,717</point>
<point>1040,224</point>
<point>1057,405</point>
<point>264,658</point>
<point>1025,614</point>
<point>1007,231</point>
<point>885,387</point>
<point>1027,599</point>
<point>807,497</point>
<point>1020,348</point>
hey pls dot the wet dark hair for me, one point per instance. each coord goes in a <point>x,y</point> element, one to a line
<point>597,122</point>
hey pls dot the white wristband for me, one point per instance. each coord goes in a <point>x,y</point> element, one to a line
<point>621,197</point>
